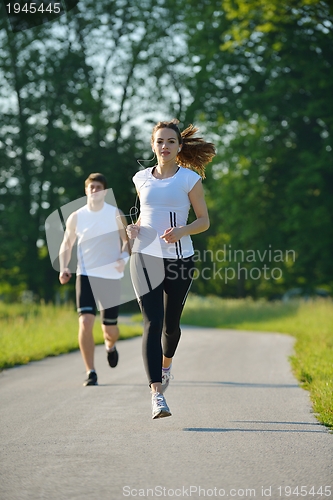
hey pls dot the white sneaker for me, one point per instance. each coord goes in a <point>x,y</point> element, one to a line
<point>159,407</point>
<point>166,377</point>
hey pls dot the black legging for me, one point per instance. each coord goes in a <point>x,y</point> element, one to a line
<point>162,286</point>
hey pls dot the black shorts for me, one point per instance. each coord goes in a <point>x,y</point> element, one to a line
<point>104,292</point>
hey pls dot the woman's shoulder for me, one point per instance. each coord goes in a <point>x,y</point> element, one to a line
<point>189,174</point>
<point>189,178</point>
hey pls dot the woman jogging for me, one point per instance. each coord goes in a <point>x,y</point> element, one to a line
<point>162,253</point>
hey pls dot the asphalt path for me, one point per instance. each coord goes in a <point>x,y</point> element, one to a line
<point>241,427</point>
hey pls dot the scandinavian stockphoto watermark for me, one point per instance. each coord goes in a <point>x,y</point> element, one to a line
<point>227,264</point>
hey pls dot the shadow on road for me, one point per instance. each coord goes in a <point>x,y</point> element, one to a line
<point>233,384</point>
<point>217,429</point>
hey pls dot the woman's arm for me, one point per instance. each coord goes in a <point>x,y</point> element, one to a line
<point>197,199</point>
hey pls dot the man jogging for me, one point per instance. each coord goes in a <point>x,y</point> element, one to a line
<point>102,253</point>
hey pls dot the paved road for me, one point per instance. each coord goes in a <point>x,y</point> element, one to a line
<point>241,427</point>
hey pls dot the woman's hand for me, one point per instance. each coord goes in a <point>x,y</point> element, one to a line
<point>172,234</point>
<point>132,231</point>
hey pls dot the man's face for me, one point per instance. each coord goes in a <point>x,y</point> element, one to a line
<point>95,191</point>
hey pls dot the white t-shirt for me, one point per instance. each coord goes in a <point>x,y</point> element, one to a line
<point>98,242</point>
<point>164,203</point>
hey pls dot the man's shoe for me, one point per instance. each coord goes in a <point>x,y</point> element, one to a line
<point>166,377</point>
<point>113,357</point>
<point>159,407</point>
<point>91,380</point>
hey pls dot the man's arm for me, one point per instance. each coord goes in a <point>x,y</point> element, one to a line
<point>125,247</point>
<point>66,247</point>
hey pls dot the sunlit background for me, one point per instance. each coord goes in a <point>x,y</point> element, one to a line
<point>81,94</point>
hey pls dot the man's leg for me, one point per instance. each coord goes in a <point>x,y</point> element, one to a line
<point>111,335</point>
<point>108,298</point>
<point>86,308</point>
<point>86,340</point>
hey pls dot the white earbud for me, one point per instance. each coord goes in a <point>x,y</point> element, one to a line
<point>179,149</point>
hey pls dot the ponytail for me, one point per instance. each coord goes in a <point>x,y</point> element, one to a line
<point>195,152</point>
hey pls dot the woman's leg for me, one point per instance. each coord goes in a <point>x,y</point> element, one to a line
<point>178,280</point>
<point>151,305</point>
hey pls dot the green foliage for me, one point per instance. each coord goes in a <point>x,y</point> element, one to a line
<point>80,94</point>
<point>72,92</point>
<point>271,114</point>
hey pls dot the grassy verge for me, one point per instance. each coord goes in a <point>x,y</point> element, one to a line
<point>309,322</point>
<point>32,332</point>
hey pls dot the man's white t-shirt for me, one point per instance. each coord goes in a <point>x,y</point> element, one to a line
<point>98,242</point>
<point>164,203</point>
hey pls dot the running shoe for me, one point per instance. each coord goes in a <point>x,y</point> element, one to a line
<point>113,357</point>
<point>92,379</point>
<point>166,377</point>
<point>159,407</point>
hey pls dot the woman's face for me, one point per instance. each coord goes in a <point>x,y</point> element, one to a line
<point>166,144</point>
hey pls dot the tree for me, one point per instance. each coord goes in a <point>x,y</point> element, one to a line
<point>273,185</point>
<point>76,92</point>
<point>80,94</point>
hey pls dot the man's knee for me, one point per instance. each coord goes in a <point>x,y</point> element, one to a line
<point>86,321</point>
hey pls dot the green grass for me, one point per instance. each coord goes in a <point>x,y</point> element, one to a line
<point>311,323</point>
<point>32,332</point>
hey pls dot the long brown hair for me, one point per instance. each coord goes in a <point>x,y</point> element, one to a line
<point>195,152</point>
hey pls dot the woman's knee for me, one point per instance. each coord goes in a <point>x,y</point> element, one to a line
<point>153,326</point>
<point>172,331</point>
